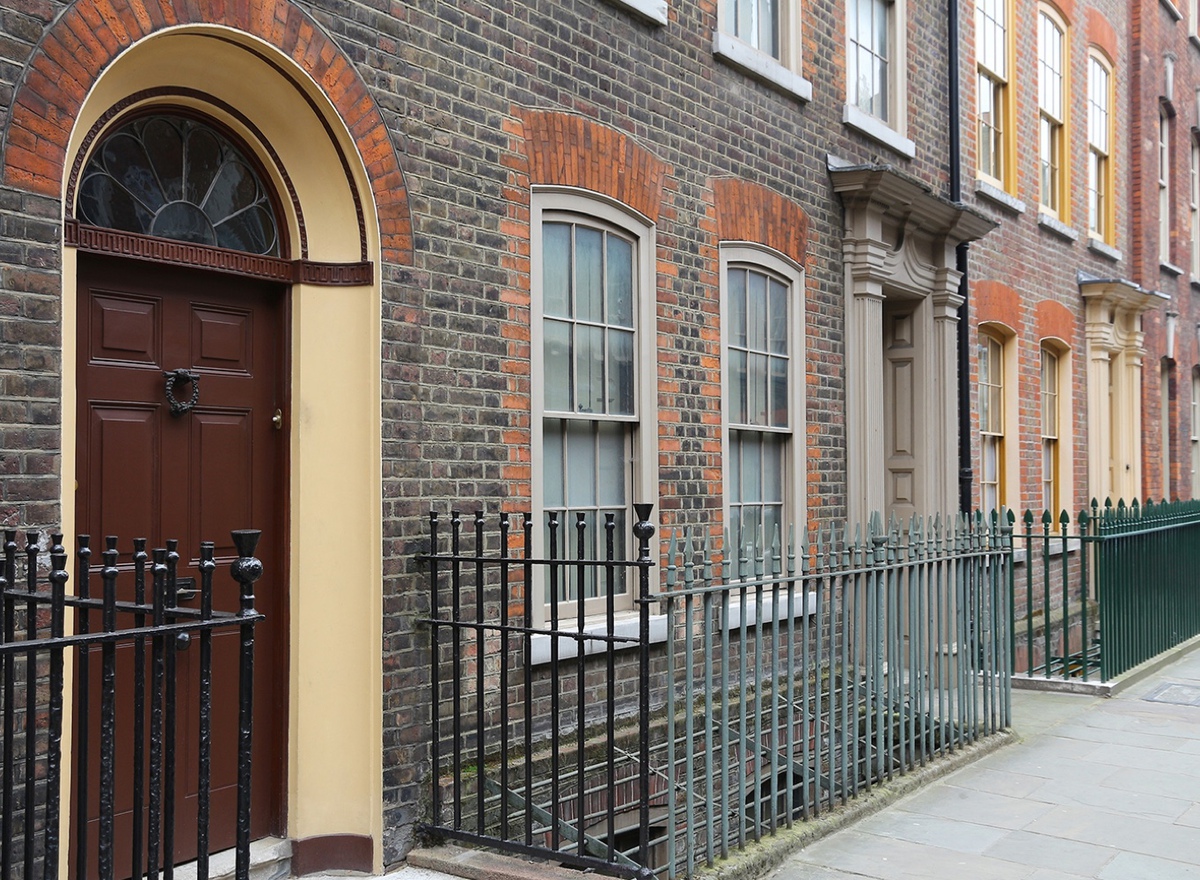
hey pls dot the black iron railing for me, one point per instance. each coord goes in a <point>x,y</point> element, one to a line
<point>541,717</point>
<point>742,694</point>
<point>34,650</point>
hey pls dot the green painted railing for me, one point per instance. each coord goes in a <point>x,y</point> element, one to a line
<point>1148,580</point>
<point>1095,597</point>
<point>804,675</point>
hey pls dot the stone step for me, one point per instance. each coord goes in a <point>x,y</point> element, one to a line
<point>270,859</point>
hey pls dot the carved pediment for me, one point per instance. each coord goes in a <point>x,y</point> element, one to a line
<point>899,237</point>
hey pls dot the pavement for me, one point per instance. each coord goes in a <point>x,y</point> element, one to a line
<point>1094,787</point>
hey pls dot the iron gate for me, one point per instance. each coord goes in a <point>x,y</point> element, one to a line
<point>541,721</point>
<point>34,649</point>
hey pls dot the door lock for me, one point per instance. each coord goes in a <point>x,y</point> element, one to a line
<point>277,420</point>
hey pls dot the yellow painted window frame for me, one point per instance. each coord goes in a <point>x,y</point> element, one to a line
<point>1108,220</point>
<point>1061,185</point>
<point>1007,148</point>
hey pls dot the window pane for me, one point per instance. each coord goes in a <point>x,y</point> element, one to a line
<point>772,529</point>
<point>164,141</point>
<point>737,387</point>
<point>620,372</point>
<point>880,103</point>
<point>772,459</point>
<point>863,14</point>
<point>735,466</point>
<point>751,469</point>
<point>778,319</point>
<point>751,518</point>
<point>737,307</point>
<point>557,354</point>
<point>620,282</point>
<point>581,465</point>
<point>991,460</point>
<point>126,160</point>
<point>589,367</point>
<point>203,154</point>
<point>553,473</point>
<point>756,312</point>
<point>779,392</point>
<point>611,444</point>
<point>556,269</point>
<point>589,290</point>
<point>756,389</point>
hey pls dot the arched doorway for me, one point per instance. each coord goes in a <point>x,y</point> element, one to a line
<point>182,429</point>
<point>293,99</point>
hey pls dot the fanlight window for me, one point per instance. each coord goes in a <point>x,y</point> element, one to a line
<point>177,178</point>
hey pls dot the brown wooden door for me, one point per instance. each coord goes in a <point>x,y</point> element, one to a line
<point>143,472</point>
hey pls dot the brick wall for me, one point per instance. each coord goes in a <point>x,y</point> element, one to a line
<point>456,86</point>
<point>1156,34</point>
<point>1038,263</point>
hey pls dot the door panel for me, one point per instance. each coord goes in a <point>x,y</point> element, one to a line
<point>143,472</point>
<point>901,410</point>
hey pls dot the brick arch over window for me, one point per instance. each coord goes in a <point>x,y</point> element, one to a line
<point>1101,34</point>
<point>997,303</point>
<point>1054,321</point>
<point>1065,8</point>
<point>562,149</point>
<point>90,34</point>
<point>749,212</point>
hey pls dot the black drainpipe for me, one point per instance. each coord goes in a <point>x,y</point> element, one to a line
<point>965,476</point>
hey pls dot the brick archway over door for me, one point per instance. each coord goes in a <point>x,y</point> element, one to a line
<point>90,34</point>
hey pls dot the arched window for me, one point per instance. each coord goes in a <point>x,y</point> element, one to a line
<point>763,382</point>
<point>176,177</point>
<point>999,467</point>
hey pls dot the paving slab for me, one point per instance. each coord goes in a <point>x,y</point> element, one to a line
<point>1097,789</point>
<point>1045,851</point>
<point>1132,866</point>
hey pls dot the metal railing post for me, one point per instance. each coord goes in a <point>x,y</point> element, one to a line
<point>643,530</point>
<point>246,569</point>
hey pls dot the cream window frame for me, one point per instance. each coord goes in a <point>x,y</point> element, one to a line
<point>782,69</point>
<point>549,204</point>
<point>759,258</point>
<point>1053,121</point>
<point>887,124</point>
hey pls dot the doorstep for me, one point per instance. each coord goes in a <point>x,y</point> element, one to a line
<point>270,859</point>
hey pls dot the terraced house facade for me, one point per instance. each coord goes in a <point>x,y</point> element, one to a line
<point>322,267</point>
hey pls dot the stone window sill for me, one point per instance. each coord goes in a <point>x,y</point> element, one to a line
<point>1104,249</point>
<point>625,624</point>
<point>999,197</point>
<point>760,65</point>
<point>1057,227</point>
<point>878,130</point>
<point>652,11</point>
